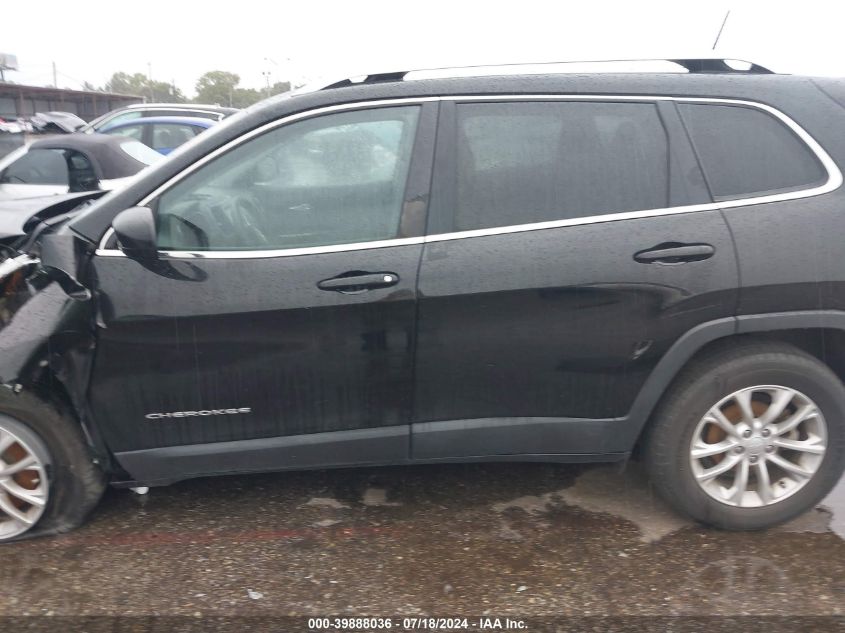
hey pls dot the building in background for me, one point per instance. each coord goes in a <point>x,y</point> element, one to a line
<point>23,101</point>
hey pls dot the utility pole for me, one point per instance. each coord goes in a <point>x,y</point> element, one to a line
<point>55,81</point>
<point>266,74</point>
<point>288,65</point>
<point>150,80</point>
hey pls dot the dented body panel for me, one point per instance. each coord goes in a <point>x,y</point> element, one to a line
<point>47,339</point>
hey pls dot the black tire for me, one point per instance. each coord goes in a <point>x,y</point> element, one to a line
<point>704,383</point>
<point>76,483</point>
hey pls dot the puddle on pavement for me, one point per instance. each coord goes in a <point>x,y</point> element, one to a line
<point>626,495</point>
<point>606,490</point>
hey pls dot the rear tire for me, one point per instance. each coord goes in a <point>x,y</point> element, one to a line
<point>715,418</point>
<point>62,473</point>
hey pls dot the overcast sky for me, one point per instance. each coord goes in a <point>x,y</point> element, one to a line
<point>314,40</point>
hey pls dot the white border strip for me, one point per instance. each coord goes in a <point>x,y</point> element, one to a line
<point>834,179</point>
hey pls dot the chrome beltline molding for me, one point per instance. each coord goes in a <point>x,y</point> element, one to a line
<point>834,179</point>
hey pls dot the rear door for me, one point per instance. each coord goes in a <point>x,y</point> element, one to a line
<point>277,329</point>
<point>565,255</point>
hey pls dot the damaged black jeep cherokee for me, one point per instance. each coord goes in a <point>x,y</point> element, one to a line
<point>553,267</point>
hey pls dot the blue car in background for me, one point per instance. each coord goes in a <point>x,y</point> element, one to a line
<point>162,133</point>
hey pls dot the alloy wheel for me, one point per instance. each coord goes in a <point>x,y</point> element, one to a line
<point>758,446</point>
<point>24,487</point>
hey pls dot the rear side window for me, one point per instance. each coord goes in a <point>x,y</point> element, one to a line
<point>747,152</point>
<point>171,135</point>
<point>81,175</point>
<point>521,163</point>
<point>38,167</point>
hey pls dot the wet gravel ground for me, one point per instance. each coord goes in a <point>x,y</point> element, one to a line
<point>523,539</point>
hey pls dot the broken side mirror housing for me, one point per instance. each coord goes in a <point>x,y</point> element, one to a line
<point>135,229</point>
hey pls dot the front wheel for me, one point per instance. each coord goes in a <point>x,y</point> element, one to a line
<point>48,481</point>
<point>24,479</point>
<point>749,437</point>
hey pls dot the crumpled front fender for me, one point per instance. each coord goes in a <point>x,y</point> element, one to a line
<point>46,336</point>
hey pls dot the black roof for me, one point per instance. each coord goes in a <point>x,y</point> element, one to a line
<point>104,152</point>
<point>795,95</point>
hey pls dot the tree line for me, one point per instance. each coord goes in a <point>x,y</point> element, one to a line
<point>214,87</point>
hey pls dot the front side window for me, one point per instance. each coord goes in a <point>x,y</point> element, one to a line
<point>747,152</point>
<point>520,163</point>
<point>38,167</point>
<point>168,136</point>
<point>334,179</point>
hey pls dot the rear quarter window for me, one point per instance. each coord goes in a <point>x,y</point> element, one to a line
<point>747,152</point>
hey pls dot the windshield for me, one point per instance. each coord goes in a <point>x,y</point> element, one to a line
<point>92,125</point>
<point>141,152</point>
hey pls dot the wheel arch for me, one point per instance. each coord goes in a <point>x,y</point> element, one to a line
<point>820,333</point>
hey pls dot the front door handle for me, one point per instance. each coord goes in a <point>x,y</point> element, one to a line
<point>675,253</point>
<point>357,282</point>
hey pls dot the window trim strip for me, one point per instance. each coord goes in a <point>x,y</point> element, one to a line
<point>833,182</point>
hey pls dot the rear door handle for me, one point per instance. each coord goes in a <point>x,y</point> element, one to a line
<point>357,282</point>
<point>675,253</point>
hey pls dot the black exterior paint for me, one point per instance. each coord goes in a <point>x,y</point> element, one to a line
<point>561,322</point>
<point>253,333</point>
<point>552,344</point>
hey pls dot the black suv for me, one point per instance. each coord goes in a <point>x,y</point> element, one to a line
<point>554,267</point>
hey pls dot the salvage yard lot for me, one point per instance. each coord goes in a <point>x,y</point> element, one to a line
<point>521,539</point>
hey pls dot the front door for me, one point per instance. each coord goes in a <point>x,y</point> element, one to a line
<point>277,328</point>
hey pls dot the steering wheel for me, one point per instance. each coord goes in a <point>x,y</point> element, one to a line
<point>245,214</point>
<point>183,231</point>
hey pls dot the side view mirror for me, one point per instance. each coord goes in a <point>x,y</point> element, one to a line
<point>136,233</point>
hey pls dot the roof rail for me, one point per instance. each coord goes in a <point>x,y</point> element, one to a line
<point>700,65</point>
<point>715,65</point>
